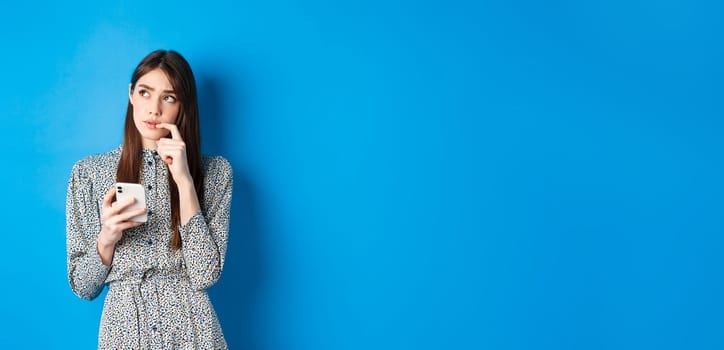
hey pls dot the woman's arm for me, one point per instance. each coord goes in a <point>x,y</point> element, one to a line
<point>205,234</point>
<point>86,271</point>
<point>90,236</point>
<point>188,200</point>
<point>173,152</point>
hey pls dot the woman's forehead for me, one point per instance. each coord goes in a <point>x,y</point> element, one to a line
<point>156,80</point>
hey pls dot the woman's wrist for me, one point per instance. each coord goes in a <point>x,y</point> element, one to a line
<point>188,200</point>
<point>103,242</point>
<point>184,183</point>
<point>105,249</point>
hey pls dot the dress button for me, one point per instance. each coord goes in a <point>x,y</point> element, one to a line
<point>150,242</point>
<point>149,162</point>
<point>149,187</point>
<point>149,212</point>
<point>154,328</point>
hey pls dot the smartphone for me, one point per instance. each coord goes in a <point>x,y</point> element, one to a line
<point>125,190</point>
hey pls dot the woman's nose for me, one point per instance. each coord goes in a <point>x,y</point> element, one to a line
<point>154,109</point>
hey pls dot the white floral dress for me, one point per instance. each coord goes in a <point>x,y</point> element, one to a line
<point>156,296</point>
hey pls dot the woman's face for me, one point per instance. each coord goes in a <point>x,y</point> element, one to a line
<point>154,101</point>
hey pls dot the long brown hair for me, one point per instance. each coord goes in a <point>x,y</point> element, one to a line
<point>182,80</point>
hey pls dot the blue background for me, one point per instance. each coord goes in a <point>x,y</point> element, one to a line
<point>409,174</point>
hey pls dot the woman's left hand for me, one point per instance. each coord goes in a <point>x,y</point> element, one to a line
<point>173,152</point>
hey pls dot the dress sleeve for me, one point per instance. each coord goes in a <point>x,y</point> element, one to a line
<point>204,237</point>
<point>86,272</point>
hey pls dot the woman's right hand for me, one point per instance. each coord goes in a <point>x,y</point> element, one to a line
<point>114,220</point>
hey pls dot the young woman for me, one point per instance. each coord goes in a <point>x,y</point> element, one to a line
<point>157,272</point>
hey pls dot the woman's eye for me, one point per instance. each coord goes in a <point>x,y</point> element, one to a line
<point>170,99</point>
<point>143,93</point>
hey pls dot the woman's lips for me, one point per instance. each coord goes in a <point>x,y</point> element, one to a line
<point>151,125</point>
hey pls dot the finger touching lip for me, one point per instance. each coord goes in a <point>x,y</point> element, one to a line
<point>175,134</point>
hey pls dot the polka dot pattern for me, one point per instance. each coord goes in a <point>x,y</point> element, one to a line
<point>156,296</point>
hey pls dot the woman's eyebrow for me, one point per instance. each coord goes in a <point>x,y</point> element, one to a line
<point>152,89</point>
<point>146,87</point>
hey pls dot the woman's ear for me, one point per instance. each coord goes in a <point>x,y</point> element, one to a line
<point>130,93</point>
